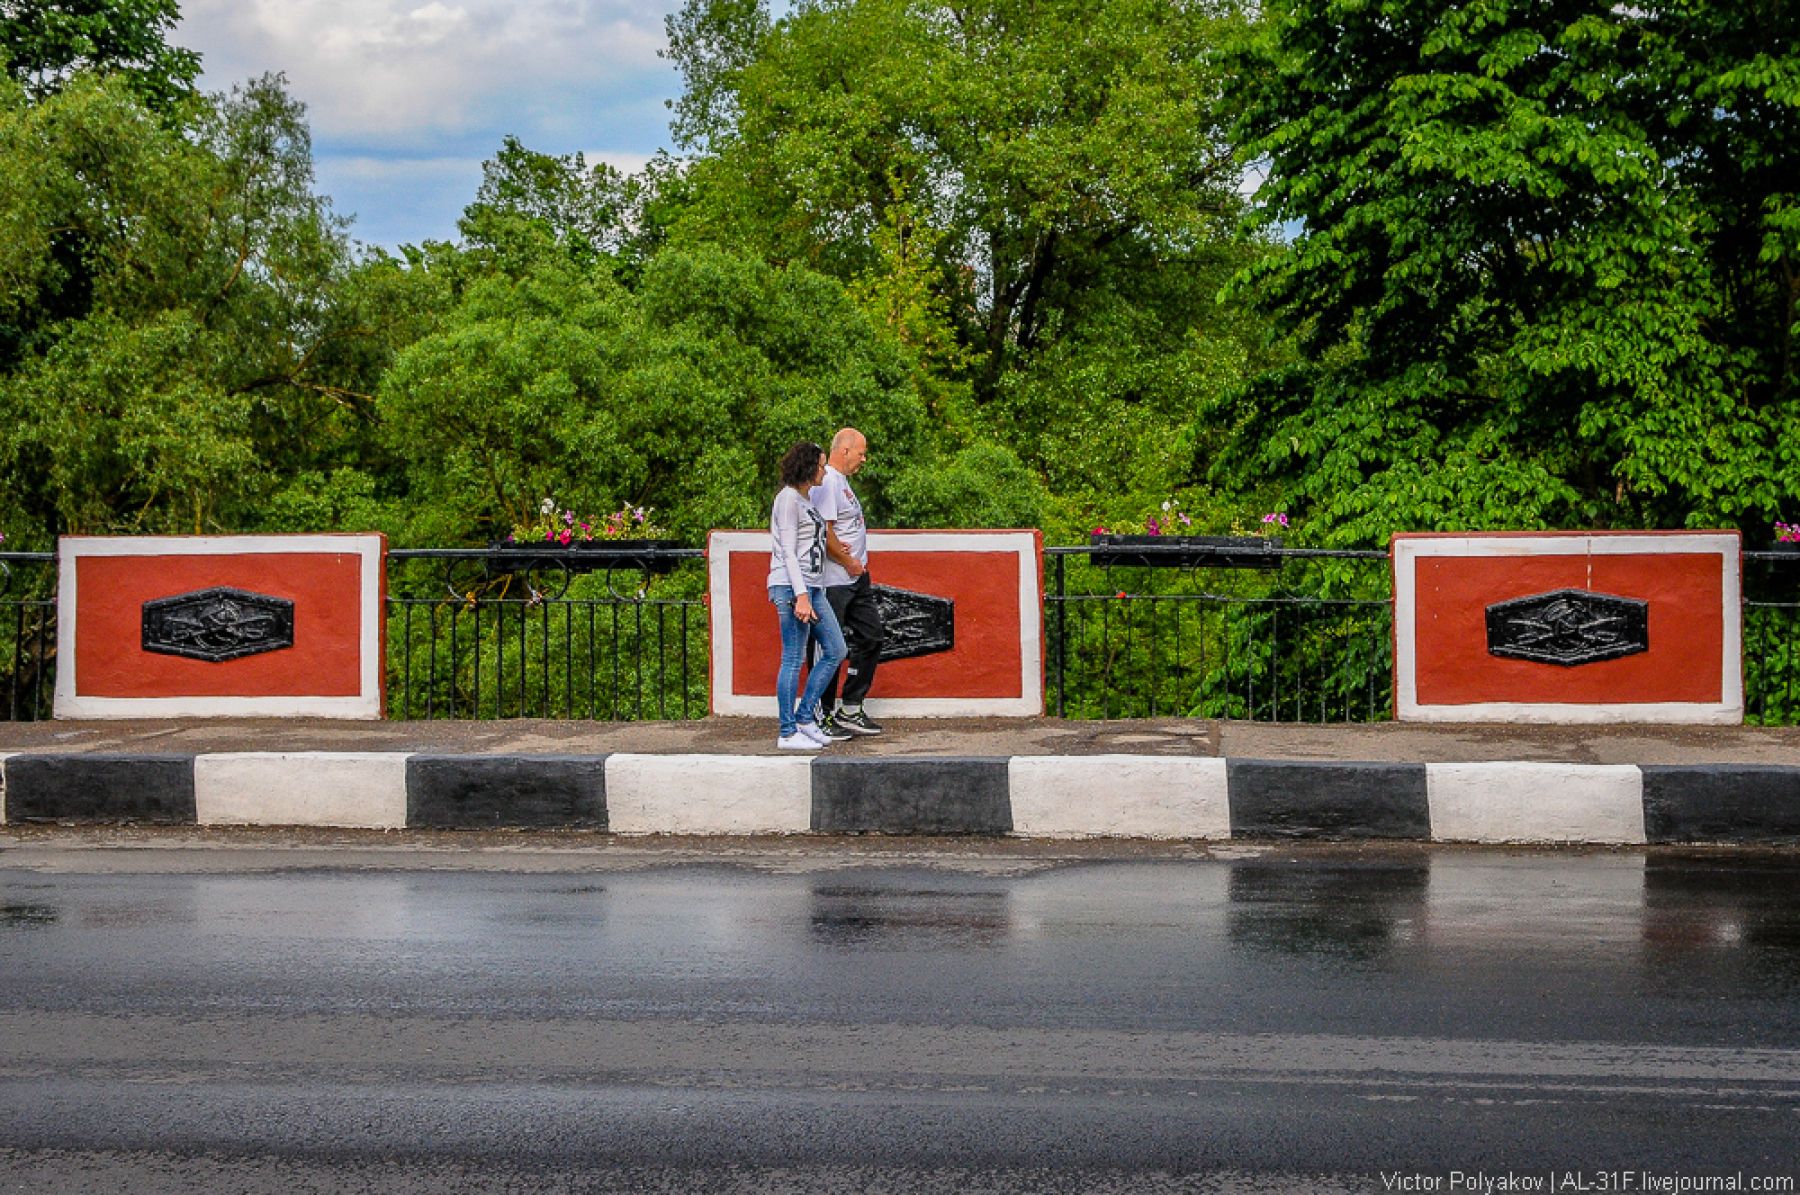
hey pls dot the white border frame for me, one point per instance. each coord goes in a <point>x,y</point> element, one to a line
<point>365,705</point>
<point>1409,550</point>
<point>1030,704</point>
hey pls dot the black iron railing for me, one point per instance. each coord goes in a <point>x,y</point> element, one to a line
<point>484,634</point>
<point>1771,625</point>
<point>498,633</point>
<point>27,635</point>
<point>1197,632</point>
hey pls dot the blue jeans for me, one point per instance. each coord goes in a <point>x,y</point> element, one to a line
<point>794,637</point>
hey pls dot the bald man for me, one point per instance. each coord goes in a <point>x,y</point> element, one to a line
<point>847,584</point>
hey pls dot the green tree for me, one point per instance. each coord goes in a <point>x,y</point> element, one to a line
<point>551,379</point>
<point>1035,198</point>
<point>44,43</point>
<point>1545,271</point>
<point>173,334</point>
<point>526,196</point>
<point>1037,147</point>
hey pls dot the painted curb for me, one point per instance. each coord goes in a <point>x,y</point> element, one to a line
<point>708,794</point>
<point>1722,803</point>
<point>506,791</point>
<point>156,789</point>
<point>1301,799</point>
<point>911,795</point>
<point>1135,796</point>
<point>355,790</point>
<point>1119,796</point>
<point>1535,802</point>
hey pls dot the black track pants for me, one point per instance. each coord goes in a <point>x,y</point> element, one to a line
<point>860,617</point>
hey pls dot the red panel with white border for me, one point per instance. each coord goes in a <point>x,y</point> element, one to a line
<point>334,669</point>
<point>1691,672</point>
<point>995,579</point>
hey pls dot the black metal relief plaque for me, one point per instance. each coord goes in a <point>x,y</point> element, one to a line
<point>1568,627</point>
<point>218,624</point>
<point>914,624</point>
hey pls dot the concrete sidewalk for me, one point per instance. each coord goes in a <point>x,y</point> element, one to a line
<point>1387,742</point>
<point>1152,779</point>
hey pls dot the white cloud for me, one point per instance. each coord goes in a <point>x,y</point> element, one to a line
<point>623,160</point>
<point>406,98</point>
<point>393,72</point>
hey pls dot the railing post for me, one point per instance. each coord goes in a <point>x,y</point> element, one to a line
<point>1062,632</point>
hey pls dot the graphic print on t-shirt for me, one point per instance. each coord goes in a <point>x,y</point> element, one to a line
<point>812,541</point>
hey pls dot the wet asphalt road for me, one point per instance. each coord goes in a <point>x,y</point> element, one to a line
<point>1281,1020</point>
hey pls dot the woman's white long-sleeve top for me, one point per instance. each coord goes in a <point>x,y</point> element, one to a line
<point>797,558</point>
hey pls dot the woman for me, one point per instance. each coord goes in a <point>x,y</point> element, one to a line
<point>797,589</point>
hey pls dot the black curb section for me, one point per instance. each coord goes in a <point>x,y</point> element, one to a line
<point>1283,799</point>
<point>1722,803</point>
<point>479,792</point>
<point>918,795</point>
<point>153,789</point>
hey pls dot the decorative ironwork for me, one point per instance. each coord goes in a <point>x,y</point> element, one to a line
<point>1185,551</point>
<point>914,624</point>
<point>1568,627</point>
<point>586,556</point>
<point>216,625</point>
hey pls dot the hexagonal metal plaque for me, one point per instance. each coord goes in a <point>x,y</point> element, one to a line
<point>914,624</point>
<point>218,624</point>
<point>1568,627</point>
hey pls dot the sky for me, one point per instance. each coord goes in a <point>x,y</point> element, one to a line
<point>407,98</point>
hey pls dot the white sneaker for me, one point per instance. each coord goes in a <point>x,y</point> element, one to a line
<point>798,742</point>
<point>811,731</point>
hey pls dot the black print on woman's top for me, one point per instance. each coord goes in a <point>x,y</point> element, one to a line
<point>814,563</point>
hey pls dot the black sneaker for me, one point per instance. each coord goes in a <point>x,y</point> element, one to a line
<point>832,731</point>
<point>857,723</point>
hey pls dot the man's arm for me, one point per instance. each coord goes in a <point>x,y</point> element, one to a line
<point>835,549</point>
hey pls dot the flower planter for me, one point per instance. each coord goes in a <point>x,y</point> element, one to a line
<point>1185,551</point>
<point>589,556</point>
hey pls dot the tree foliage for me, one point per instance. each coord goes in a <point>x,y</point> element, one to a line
<point>44,43</point>
<point>1546,266</point>
<point>176,313</point>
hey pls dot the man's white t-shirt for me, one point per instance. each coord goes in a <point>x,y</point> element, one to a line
<point>836,503</point>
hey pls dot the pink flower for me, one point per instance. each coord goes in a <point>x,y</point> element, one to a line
<point>1101,531</point>
<point>1152,527</point>
<point>1185,521</point>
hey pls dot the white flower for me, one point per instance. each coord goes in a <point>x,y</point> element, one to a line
<point>547,506</point>
<point>1165,504</point>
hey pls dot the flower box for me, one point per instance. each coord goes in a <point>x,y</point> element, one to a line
<point>585,556</point>
<point>1185,551</point>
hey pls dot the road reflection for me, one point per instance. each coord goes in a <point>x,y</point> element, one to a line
<point>871,915</point>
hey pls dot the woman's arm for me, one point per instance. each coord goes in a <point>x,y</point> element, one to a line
<point>784,525</point>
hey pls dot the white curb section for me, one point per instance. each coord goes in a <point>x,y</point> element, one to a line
<point>1535,802</point>
<point>1119,796</point>
<point>708,794</point>
<point>358,790</point>
<point>4,756</point>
